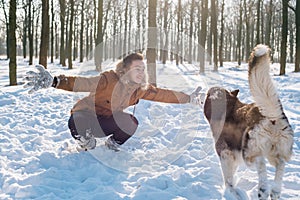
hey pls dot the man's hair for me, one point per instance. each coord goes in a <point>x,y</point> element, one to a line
<point>123,66</point>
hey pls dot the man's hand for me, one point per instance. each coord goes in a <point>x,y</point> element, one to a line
<point>38,80</point>
<point>197,97</point>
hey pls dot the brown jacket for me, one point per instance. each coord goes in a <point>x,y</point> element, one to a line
<point>108,93</point>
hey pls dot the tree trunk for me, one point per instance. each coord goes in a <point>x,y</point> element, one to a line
<point>52,33</point>
<point>115,21</point>
<point>56,41</point>
<point>179,21</point>
<point>70,38</point>
<point>203,34</point>
<point>92,41</point>
<point>182,35</point>
<point>36,41</point>
<point>67,30</point>
<point>239,36</point>
<point>258,14</point>
<point>44,34</point>
<point>191,32</point>
<point>248,32</point>
<point>221,56</point>
<point>214,29</point>
<point>7,27</point>
<point>99,39</point>
<point>81,32</point>
<point>166,31</point>
<point>152,40</point>
<point>138,22</point>
<point>75,35</point>
<point>125,28</point>
<point>291,42</point>
<point>269,23</point>
<point>297,60</point>
<point>62,53</point>
<point>87,44</point>
<point>209,44</point>
<point>144,28</point>
<point>105,21</point>
<point>30,33</point>
<point>25,26</point>
<point>284,33</point>
<point>130,35</point>
<point>161,35</point>
<point>13,43</point>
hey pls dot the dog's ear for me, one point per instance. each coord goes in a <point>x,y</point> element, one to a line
<point>235,92</point>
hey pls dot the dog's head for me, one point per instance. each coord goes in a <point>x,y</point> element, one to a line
<point>219,103</point>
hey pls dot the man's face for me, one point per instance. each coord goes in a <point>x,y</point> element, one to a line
<point>137,71</point>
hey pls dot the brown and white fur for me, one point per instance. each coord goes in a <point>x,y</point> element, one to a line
<point>253,132</point>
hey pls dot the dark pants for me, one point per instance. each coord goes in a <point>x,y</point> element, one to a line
<point>121,125</point>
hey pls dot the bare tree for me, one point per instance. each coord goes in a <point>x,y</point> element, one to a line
<point>247,18</point>
<point>89,30</point>
<point>179,30</point>
<point>125,27</point>
<point>30,32</point>
<point>165,30</point>
<point>221,56</point>
<point>24,30</point>
<point>291,42</point>
<point>138,23</point>
<point>192,9</point>
<point>99,38</point>
<point>152,37</point>
<point>269,22</point>
<point>13,43</point>
<point>258,15</point>
<point>62,5</point>
<point>44,34</point>
<point>52,33</point>
<point>297,60</point>
<point>81,31</point>
<point>7,27</point>
<point>37,19</point>
<point>239,36</point>
<point>214,31</point>
<point>70,37</point>
<point>229,38</point>
<point>105,21</point>
<point>115,22</point>
<point>284,33</point>
<point>202,34</point>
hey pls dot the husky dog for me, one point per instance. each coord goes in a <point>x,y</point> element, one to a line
<point>251,132</point>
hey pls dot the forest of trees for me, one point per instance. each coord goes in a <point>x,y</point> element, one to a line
<point>193,31</point>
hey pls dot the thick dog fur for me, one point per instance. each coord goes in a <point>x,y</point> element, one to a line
<point>251,132</point>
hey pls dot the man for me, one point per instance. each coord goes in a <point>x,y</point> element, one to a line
<point>102,113</point>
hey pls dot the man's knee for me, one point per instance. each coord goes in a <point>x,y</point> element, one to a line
<point>81,123</point>
<point>126,122</point>
<point>72,127</point>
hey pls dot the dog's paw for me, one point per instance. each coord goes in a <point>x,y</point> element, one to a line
<point>275,193</point>
<point>235,193</point>
<point>263,192</point>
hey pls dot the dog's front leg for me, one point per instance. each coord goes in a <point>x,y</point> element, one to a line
<point>229,166</point>
<point>276,189</point>
<point>263,190</point>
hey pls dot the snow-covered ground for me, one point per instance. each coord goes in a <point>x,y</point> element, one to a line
<point>171,156</point>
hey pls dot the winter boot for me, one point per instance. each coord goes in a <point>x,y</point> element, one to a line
<point>86,143</point>
<point>112,144</point>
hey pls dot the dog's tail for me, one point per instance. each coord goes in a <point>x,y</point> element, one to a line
<point>261,85</point>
